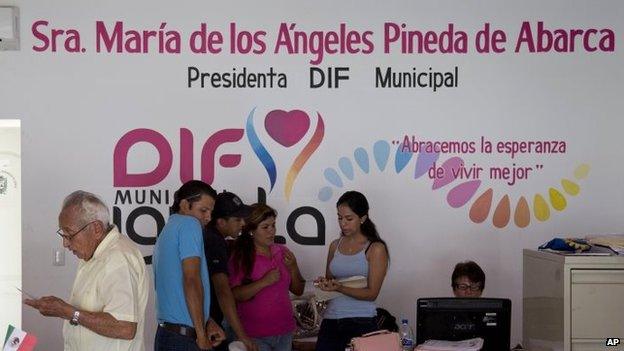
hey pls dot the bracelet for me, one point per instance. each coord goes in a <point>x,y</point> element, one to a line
<point>75,318</point>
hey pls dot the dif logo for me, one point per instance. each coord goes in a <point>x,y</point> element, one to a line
<point>286,128</point>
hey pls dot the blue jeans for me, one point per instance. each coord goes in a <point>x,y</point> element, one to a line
<point>275,343</point>
<point>170,341</point>
<point>336,334</point>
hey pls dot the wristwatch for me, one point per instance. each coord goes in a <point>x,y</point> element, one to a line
<point>75,318</point>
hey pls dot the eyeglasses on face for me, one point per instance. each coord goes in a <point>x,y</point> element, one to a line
<point>70,236</point>
<point>471,287</point>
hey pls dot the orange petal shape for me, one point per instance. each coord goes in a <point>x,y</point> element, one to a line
<point>570,187</point>
<point>540,208</point>
<point>557,200</point>
<point>522,216</point>
<point>581,171</point>
<point>502,213</point>
<point>481,207</point>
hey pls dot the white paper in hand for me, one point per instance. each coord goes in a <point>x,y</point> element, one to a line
<point>356,281</point>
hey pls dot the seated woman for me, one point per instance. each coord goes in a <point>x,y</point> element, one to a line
<point>468,280</point>
<point>261,274</point>
<point>358,251</point>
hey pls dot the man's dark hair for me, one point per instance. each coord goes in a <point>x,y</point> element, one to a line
<point>468,269</point>
<point>191,191</point>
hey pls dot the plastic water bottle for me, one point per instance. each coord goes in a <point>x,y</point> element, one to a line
<point>407,336</point>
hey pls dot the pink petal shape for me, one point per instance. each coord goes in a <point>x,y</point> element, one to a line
<point>459,195</point>
<point>481,207</point>
<point>450,167</point>
<point>287,128</point>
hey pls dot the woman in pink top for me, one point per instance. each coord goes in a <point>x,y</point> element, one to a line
<point>261,274</point>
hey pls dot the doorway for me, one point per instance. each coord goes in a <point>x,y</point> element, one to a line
<point>10,224</point>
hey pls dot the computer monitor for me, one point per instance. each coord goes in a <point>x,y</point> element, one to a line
<point>450,318</point>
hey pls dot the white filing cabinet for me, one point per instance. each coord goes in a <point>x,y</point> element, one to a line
<point>572,303</point>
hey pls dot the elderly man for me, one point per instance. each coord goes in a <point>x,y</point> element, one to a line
<point>106,309</point>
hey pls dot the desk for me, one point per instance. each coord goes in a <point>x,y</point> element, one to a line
<point>572,303</point>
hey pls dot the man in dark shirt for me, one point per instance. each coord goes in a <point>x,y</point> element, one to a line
<point>227,221</point>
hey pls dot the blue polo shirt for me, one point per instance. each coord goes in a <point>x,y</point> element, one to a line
<point>181,238</point>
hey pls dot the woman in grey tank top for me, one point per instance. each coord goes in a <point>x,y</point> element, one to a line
<point>358,251</point>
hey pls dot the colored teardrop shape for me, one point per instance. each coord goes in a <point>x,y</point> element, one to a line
<point>522,215</point>
<point>402,158</point>
<point>481,207</point>
<point>570,187</point>
<point>381,151</point>
<point>461,194</point>
<point>325,194</point>
<point>540,208</point>
<point>451,169</point>
<point>346,167</point>
<point>361,158</point>
<point>557,200</point>
<point>581,171</point>
<point>424,161</point>
<point>332,176</point>
<point>502,213</point>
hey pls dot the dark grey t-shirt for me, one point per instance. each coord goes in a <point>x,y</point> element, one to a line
<point>216,251</point>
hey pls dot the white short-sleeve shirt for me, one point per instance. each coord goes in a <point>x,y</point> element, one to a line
<point>114,280</point>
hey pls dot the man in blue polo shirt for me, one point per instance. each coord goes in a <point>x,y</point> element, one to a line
<point>181,274</point>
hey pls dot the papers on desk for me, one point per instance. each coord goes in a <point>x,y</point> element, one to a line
<point>613,242</point>
<point>357,281</point>
<point>593,252</point>
<point>618,249</point>
<point>442,345</point>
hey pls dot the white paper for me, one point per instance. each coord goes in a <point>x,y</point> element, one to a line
<point>442,345</point>
<point>357,281</point>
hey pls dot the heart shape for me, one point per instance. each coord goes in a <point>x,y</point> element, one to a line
<point>287,128</point>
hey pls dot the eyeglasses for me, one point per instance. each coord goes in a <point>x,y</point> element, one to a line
<point>471,287</point>
<point>69,237</point>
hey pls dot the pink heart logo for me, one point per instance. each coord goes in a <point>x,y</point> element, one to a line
<point>287,128</point>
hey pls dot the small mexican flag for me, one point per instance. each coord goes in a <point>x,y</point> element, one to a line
<point>18,340</point>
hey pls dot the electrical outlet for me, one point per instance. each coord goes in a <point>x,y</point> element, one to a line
<point>59,257</point>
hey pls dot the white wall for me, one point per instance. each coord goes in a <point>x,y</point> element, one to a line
<point>75,107</point>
